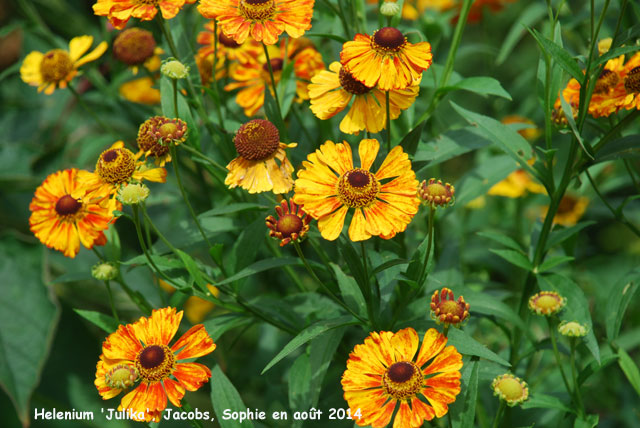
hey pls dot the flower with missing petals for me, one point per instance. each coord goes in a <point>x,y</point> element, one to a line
<point>446,310</point>
<point>156,135</point>
<point>436,194</point>
<point>511,389</point>
<point>292,223</point>
<point>547,303</point>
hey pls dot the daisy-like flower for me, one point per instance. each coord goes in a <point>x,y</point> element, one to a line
<point>572,329</point>
<point>140,91</point>
<point>120,11</point>
<point>436,194</point>
<point>329,185</point>
<point>64,215</point>
<point>570,210</point>
<point>56,68</point>
<point>262,164</point>
<point>156,135</point>
<point>386,59</point>
<point>263,20</point>
<point>332,90</point>
<point>446,310</point>
<point>384,373</point>
<point>292,223</point>
<point>142,349</point>
<point>511,389</point>
<point>547,303</point>
<point>136,47</point>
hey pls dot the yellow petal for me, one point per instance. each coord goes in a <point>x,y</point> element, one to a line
<point>331,225</point>
<point>30,69</point>
<point>368,150</point>
<point>78,46</point>
<point>357,228</point>
<point>93,55</point>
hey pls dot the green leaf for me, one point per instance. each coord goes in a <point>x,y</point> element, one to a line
<point>350,291</point>
<point>261,266</point>
<point>614,53</point>
<point>219,325</point>
<point>105,322</point>
<point>630,369</point>
<point>410,141</point>
<point>577,307</point>
<point>619,299</point>
<point>502,239</point>
<point>543,401</point>
<point>483,303</point>
<point>73,277</point>
<point>225,396</point>
<point>479,85</point>
<point>309,333</point>
<point>162,262</point>
<point>553,262</point>
<point>467,345</point>
<point>566,108</point>
<point>561,234</point>
<point>335,37</point>
<point>621,148</point>
<point>271,110</point>
<point>560,55</point>
<point>532,14</point>
<point>233,209</point>
<point>504,136</point>
<point>112,249</point>
<point>590,422</point>
<point>450,145</point>
<point>354,261</point>
<point>594,366</point>
<point>389,264</point>
<point>468,414</point>
<point>514,257</point>
<point>193,269</point>
<point>479,180</point>
<point>29,319</point>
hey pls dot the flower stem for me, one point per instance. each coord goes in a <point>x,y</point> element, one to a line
<point>388,121</point>
<point>499,413</point>
<point>95,117</point>
<point>113,307</point>
<point>275,89</point>
<point>574,376</point>
<point>423,268</point>
<point>174,84</point>
<point>556,353</point>
<point>204,157</point>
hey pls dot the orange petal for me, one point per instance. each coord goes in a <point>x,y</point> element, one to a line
<point>432,343</point>
<point>194,343</point>
<point>174,390</point>
<point>192,375</point>
<point>405,344</point>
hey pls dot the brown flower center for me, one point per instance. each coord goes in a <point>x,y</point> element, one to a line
<point>257,139</point>
<point>389,39</point>
<point>155,362</point>
<point>116,166</point>
<point>55,66</point>
<point>134,46</point>
<point>227,41</point>
<point>608,80</point>
<point>402,380</point>
<point>67,205</point>
<point>289,224</point>
<point>632,81</point>
<point>350,84</point>
<point>358,188</point>
<point>257,10</point>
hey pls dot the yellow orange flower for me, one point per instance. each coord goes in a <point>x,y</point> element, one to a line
<point>384,373</point>
<point>384,202</point>
<point>446,310</point>
<point>120,11</point>
<point>262,164</point>
<point>141,352</point>
<point>386,59</point>
<point>228,48</point>
<point>630,76</point>
<point>570,210</point>
<point>57,67</point>
<point>64,215</point>
<point>263,20</point>
<point>332,90</point>
<point>140,91</point>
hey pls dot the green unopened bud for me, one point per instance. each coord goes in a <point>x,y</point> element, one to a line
<point>104,271</point>
<point>389,8</point>
<point>133,194</point>
<point>174,69</point>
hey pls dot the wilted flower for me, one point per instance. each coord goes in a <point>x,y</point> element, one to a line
<point>292,223</point>
<point>446,310</point>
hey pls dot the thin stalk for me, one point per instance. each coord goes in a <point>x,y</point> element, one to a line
<point>574,376</point>
<point>274,86</point>
<point>93,115</point>
<point>113,307</point>
<point>627,166</point>
<point>556,353</point>
<point>618,215</point>
<point>174,84</point>
<point>204,157</point>
<point>499,413</point>
<point>375,296</point>
<point>423,268</point>
<point>388,121</point>
<point>176,169</point>
<point>335,298</point>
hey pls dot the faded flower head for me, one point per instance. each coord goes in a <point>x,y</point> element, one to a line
<point>133,193</point>
<point>511,389</point>
<point>156,135</point>
<point>435,193</point>
<point>572,329</point>
<point>292,223</point>
<point>134,46</point>
<point>446,310</point>
<point>547,303</point>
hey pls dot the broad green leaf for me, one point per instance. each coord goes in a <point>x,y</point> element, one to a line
<point>193,269</point>
<point>514,257</point>
<point>614,53</point>
<point>619,299</point>
<point>594,366</point>
<point>307,334</point>
<point>560,55</point>
<point>468,414</point>
<point>105,322</point>
<point>335,37</point>
<point>502,239</point>
<point>300,385</point>
<point>483,303</point>
<point>261,266</point>
<point>577,307</point>
<point>450,145</point>
<point>560,234</point>
<point>73,277</point>
<point>224,396</point>
<point>389,264</point>
<point>354,261</point>
<point>544,401</point>
<point>220,324</point>
<point>479,85</point>
<point>553,262</point>
<point>630,369</point>
<point>112,249</point>
<point>272,112</point>
<point>532,14</point>
<point>160,261</point>
<point>217,224</point>
<point>28,318</point>
<point>479,180</point>
<point>621,148</point>
<point>504,136</point>
<point>410,141</point>
<point>467,345</point>
<point>566,108</point>
<point>350,291</point>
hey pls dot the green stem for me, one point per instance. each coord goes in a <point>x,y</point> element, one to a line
<point>113,307</point>
<point>556,353</point>
<point>204,157</point>
<point>499,413</point>
<point>388,121</point>
<point>176,169</point>
<point>423,268</point>
<point>274,87</point>
<point>93,115</point>
<point>174,84</point>
<point>574,376</point>
<point>331,294</point>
